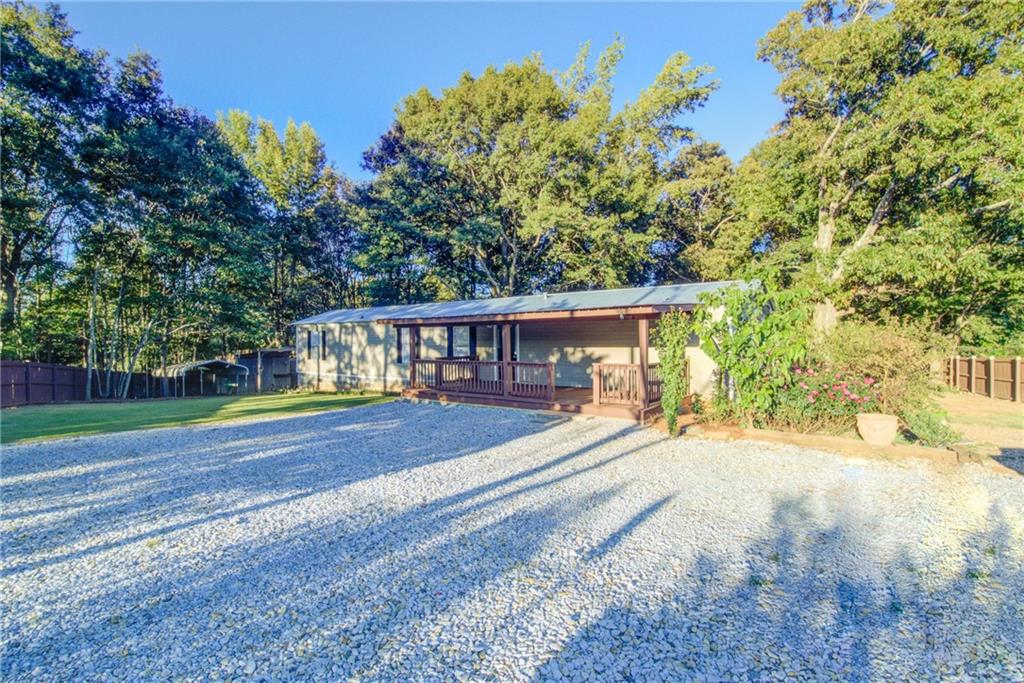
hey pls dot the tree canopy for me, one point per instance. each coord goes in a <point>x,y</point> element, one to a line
<point>893,184</point>
<point>524,179</point>
<point>138,232</point>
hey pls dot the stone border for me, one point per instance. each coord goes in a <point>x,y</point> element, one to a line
<point>838,444</point>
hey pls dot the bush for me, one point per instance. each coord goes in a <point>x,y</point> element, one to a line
<point>898,357</point>
<point>822,399</point>
<point>754,335</point>
<point>929,427</point>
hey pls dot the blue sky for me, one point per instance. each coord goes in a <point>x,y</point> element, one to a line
<point>344,67</point>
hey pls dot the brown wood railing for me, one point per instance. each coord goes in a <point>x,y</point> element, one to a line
<point>534,381</point>
<point>653,383</point>
<point>616,383</point>
<point>620,383</point>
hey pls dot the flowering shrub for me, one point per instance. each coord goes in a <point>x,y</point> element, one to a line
<point>826,399</point>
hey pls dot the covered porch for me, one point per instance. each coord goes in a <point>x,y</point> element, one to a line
<point>583,362</point>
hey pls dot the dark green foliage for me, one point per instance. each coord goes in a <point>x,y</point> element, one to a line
<point>521,179</point>
<point>893,185</point>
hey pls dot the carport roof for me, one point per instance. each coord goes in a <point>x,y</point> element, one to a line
<point>634,300</point>
<point>207,364</point>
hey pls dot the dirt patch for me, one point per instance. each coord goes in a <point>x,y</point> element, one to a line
<point>989,421</point>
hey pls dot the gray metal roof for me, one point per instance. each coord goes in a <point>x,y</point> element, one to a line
<point>665,295</point>
<point>207,364</point>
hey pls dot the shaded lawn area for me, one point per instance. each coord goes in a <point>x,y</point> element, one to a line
<point>34,423</point>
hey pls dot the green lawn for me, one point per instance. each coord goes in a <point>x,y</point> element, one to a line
<point>32,423</point>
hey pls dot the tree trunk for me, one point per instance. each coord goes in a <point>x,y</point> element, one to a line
<point>91,353</point>
<point>164,383</point>
<point>127,378</point>
<point>825,315</point>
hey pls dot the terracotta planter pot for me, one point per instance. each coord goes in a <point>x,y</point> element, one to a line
<point>877,429</point>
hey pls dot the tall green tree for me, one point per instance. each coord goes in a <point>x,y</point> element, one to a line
<point>894,184</point>
<point>311,235</point>
<point>175,251</point>
<point>521,178</point>
<point>132,233</point>
<point>51,93</point>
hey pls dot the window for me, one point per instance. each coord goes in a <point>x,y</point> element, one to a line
<point>309,343</point>
<point>323,345</point>
<point>398,345</point>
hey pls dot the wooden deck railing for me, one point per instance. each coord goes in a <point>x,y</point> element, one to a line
<point>534,381</point>
<point>619,383</point>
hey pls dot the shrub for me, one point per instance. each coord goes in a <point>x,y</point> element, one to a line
<point>929,427</point>
<point>754,335</point>
<point>822,399</point>
<point>898,357</point>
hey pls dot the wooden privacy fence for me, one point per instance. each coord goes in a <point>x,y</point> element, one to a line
<point>988,376</point>
<point>24,382</point>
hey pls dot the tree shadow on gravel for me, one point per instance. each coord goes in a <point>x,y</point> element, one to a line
<point>151,492</point>
<point>334,596</point>
<point>793,612</point>
<point>400,571</point>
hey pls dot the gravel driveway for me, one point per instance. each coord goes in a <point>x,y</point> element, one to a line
<point>420,542</point>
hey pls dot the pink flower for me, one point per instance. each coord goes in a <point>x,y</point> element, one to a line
<point>811,399</point>
<point>798,371</point>
<point>869,381</point>
<point>803,385</point>
<point>810,372</point>
<point>854,396</point>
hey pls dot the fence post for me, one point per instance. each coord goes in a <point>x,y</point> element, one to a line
<point>970,375</point>
<point>956,372</point>
<point>1015,387</point>
<point>28,383</point>
<point>991,377</point>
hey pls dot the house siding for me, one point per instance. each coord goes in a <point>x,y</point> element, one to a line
<point>363,355</point>
<point>574,347</point>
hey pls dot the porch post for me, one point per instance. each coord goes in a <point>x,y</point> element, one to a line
<point>506,359</point>
<point>643,329</point>
<point>413,348</point>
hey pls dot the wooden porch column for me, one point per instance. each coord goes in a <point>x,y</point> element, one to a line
<point>643,326</point>
<point>506,359</point>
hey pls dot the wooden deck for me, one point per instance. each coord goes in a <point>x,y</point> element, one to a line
<point>573,400</point>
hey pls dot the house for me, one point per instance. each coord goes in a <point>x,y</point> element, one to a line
<point>579,352</point>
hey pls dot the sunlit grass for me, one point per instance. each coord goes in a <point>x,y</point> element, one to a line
<point>34,423</point>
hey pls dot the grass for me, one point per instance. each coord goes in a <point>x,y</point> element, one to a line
<point>35,423</point>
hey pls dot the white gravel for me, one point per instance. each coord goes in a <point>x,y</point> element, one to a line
<point>420,542</point>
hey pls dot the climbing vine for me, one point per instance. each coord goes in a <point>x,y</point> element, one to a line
<point>670,339</point>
